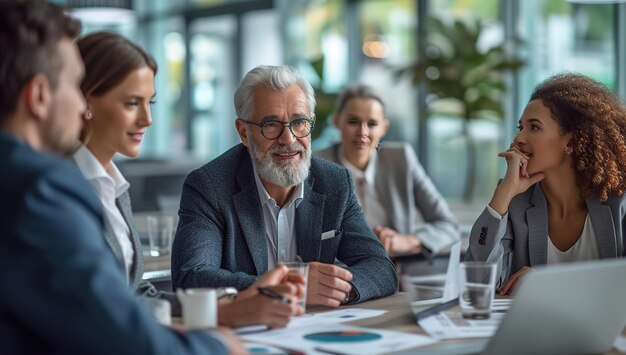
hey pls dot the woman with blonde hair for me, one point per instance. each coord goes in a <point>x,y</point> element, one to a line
<point>391,185</point>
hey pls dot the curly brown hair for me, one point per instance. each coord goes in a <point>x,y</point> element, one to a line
<point>596,118</point>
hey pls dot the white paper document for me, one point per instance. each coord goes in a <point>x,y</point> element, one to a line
<point>620,344</point>
<point>452,325</point>
<point>335,317</point>
<point>451,288</point>
<point>338,338</point>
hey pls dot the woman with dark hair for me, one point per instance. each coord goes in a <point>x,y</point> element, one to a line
<point>562,197</point>
<point>119,89</point>
<point>391,185</point>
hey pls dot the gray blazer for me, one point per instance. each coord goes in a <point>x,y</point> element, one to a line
<point>521,238</point>
<point>221,239</point>
<point>405,190</point>
<point>136,281</point>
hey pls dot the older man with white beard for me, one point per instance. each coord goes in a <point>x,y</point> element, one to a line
<point>266,201</point>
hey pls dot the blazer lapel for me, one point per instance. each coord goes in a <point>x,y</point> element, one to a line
<point>123,204</point>
<point>537,219</point>
<point>603,227</point>
<point>250,215</point>
<point>111,239</point>
<point>309,222</point>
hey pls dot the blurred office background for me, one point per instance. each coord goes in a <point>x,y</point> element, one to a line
<point>204,47</point>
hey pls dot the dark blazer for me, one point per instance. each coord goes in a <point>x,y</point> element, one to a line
<point>521,237</point>
<point>405,190</point>
<point>63,290</point>
<point>221,240</point>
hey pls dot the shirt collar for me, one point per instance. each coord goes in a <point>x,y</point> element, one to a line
<point>265,197</point>
<point>92,170</point>
<point>370,169</point>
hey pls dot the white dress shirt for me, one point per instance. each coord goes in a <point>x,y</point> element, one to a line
<point>109,184</point>
<point>375,213</point>
<point>279,224</point>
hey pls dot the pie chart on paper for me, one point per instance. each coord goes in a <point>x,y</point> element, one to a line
<point>345,336</point>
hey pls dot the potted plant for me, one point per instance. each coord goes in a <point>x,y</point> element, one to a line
<point>466,80</point>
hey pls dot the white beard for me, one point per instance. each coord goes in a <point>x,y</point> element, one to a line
<point>285,175</point>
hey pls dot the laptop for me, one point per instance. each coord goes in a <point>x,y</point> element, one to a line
<point>574,308</point>
<point>577,308</point>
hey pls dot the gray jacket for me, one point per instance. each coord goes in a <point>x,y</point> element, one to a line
<point>521,238</point>
<point>136,281</point>
<point>405,190</point>
<point>221,239</point>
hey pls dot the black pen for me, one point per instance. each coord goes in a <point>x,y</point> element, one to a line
<point>273,294</point>
<point>436,309</point>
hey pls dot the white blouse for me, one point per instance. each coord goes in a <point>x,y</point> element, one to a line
<point>586,248</point>
<point>109,184</point>
<point>368,198</point>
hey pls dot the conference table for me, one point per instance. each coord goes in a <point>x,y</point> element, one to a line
<point>399,317</point>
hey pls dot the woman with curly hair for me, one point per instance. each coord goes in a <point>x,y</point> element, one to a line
<point>562,197</point>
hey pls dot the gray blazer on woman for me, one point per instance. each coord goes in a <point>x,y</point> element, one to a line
<point>404,190</point>
<point>136,281</point>
<point>521,237</point>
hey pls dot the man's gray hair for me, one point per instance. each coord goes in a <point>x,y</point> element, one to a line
<point>276,78</point>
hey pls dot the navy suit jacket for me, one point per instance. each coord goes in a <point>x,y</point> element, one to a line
<point>221,239</point>
<point>63,291</point>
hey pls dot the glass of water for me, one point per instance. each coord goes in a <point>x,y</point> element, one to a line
<point>302,269</point>
<point>161,228</point>
<point>477,281</point>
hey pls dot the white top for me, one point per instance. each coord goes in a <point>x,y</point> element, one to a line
<point>586,248</point>
<point>279,224</point>
<point>366,194</point>
<point>109,185</point>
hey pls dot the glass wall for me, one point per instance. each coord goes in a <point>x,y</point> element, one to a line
<point>561,36</point>
<point>387,42</point>
<point>204,47</point>
<point>462,141</point>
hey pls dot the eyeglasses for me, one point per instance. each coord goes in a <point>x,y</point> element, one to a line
<point>272,129</point>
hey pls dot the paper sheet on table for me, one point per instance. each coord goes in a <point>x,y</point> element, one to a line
<point>334,317</point>
<point>620,344</point>
<point>339,338</point>
<point>451,288</point>
<point>452,325</point>
<point>254,348</point>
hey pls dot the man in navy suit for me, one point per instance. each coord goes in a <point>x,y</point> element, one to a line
<point>62,291</point>
<point>268,201</point>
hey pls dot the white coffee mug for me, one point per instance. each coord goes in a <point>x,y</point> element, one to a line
<point>199,307</point>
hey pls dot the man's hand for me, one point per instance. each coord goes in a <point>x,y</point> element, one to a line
<point>250,307</point>
<point>261,309</point>
<point>397,244</point>
<point>511,284</point>
<point>279,275</point>
<point>328,284</point>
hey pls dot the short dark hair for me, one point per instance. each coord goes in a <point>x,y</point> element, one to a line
<point>356,91</point>
<point>109,58</point>
<point>29,35</point>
